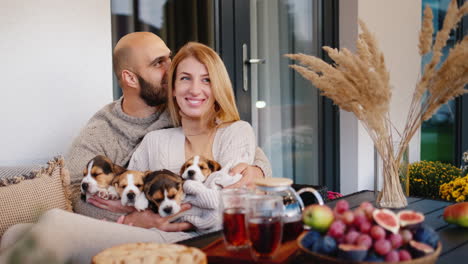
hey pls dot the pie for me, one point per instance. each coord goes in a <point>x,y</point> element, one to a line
<point>136,253</point>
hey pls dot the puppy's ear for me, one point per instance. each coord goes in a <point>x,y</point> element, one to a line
<point>213,165</point>
<point>153,207</point>
<point>146,173</point>
<point>183,168</point>
<point>115,182</point>
<point>148,179</point>
<point>118,169</point>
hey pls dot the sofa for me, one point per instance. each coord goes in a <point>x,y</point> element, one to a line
<point>38,225</point>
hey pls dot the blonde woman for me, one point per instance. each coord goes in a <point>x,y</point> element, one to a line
<point>202,107</point>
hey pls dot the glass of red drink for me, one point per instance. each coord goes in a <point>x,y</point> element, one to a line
<point>233,208</point>
<point>264,225</point>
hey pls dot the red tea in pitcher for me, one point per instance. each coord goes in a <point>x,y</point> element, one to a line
<point>292,228</point>
<point>234,230</point>
<point>265,235</point>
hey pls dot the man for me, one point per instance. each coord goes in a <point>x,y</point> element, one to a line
<point>140,62</point>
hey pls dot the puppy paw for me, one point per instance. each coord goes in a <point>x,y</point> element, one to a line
<point>193,187</point>
<point>113,196</point>
<point>103,194</point>
<point>236,177</point>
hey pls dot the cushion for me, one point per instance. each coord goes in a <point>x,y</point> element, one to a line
<point>10,175</point>
<point>26,194</point>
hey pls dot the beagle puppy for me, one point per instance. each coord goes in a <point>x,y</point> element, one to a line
<point>209,172</point>
<point>198,168</point>
<point>129,185</point>
<point>163,189</point>
<point>97,178</point>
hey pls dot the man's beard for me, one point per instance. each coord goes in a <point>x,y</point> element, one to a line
<point>151,94</point>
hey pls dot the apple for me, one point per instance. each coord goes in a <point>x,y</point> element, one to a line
<point>318,217</point>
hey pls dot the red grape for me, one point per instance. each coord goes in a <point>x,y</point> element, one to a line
<point>359,212</point>
<point>341,206</point>
<point>392,256</point>
<point>404,255</point>
<point>364,240</point>
<point>348,217</point>
<point>396,240</point>
<point>351,237</point>
<point>358,219</point>
<point>406,235</point>
<point>377,232</point>
<point>382,247</point>
<point>337,229</point>
<point>368,208</point>
<point>365,227</point>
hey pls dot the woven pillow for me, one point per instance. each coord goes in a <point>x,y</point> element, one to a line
<point>26,196</point>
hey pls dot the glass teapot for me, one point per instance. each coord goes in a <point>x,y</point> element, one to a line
<point>293,204</point>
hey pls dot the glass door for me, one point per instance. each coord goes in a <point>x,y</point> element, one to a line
<point>285,106</point>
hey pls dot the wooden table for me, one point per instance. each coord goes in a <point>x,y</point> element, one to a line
<point>454,239</point>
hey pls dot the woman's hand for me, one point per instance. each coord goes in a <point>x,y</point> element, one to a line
<point>149,219</point>
<point>110,205</point>
<point>249,174</point>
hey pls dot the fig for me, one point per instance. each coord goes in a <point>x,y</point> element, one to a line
<point>318,217</point>
<point>457,214</point>
<point>325,245</point>
<point>419,249</point>
<point>373,257</point>
<point>310,238</point>
<point>386,219</point>
<point>410,219</point>
<point>426,234</point>
<point>352,252</point>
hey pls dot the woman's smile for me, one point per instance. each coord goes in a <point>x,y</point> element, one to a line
<point>195,101</point>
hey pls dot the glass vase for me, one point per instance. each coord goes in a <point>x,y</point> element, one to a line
<point>391,195</point>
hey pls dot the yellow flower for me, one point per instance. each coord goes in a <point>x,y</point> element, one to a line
<point>460,199</point>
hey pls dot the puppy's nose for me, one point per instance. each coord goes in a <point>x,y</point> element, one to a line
<point>84,185</point>
<point>131,196</point>
<point>191,173</point>
<point>167,210</point>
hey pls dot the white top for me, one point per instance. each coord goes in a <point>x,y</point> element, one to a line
<point>165,148</point>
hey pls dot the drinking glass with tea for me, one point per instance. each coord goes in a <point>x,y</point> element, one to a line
<point>233,209</point>
<point>264,225</point>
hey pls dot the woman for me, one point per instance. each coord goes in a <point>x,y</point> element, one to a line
<point>204,113</point>
<point>202,107</point>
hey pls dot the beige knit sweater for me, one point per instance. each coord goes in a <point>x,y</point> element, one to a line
<point>115,134</point>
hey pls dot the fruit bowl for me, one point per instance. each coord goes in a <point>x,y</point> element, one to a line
<point>324,259</point>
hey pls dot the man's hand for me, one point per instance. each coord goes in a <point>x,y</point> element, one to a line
<point>148,219</point>
<point>111,205</point>
<point>249,174</point>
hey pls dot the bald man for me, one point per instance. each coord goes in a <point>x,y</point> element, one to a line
<point>140,62</point>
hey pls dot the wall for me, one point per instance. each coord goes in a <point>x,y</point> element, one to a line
<point>56,72</point>
<point>396,26</point>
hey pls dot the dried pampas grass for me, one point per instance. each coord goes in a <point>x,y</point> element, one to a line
<point>359,83</point>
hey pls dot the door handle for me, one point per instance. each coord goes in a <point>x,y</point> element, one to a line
<point>245,67</point>
<point>256,61</point>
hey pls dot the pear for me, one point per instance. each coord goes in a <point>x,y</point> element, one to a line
<point>457,214</point>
